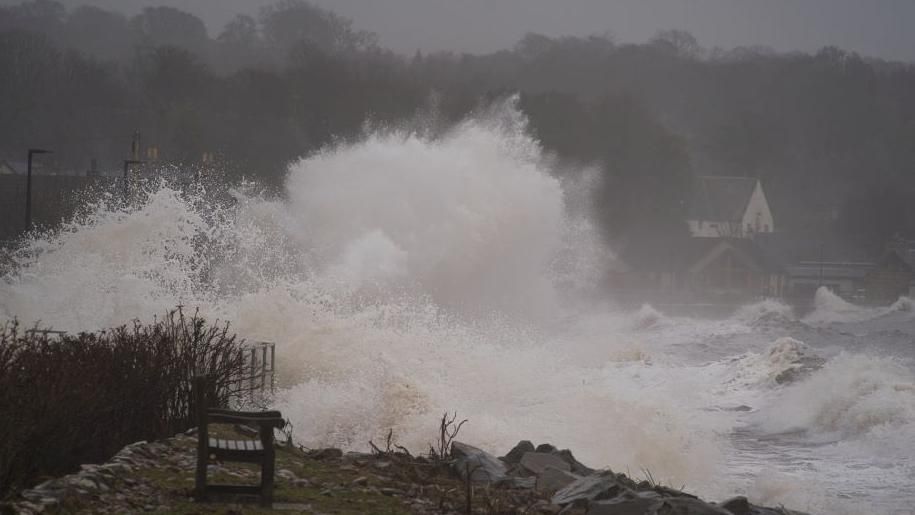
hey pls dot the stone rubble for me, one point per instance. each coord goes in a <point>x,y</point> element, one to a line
<point>531,479</point>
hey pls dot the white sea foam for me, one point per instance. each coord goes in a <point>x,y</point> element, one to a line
<point>403,275</point>
<point>765,311</point>
<point>829,308</point>
<point>852,396</point>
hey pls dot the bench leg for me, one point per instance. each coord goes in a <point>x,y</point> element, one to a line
<point>267,469</point>
<point>200,480</point>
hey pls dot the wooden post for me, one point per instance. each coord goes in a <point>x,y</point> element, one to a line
<point>253,370</point>
<point>263,367</point>
<point>266,434</point>
<point>200,407</point>
<point>272,368</point>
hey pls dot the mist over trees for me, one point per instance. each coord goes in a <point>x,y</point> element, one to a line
<point>830,134</point>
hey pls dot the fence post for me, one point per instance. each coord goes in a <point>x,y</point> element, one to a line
<point>273,368</point>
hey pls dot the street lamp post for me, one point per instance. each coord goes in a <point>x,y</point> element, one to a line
<point>28,186</point>
<point>127,163</point>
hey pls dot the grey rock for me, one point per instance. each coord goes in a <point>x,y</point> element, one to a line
<point>625,505</point>
<point>689,506</point>
<point>517,483</point>
<point>545,447</point>
<point>599,486</point>
<point>537,462</point>
<point>740,506</point>
<point>737,506</point>
<point>286,474</point>
<point>326,454</point>
<point>514,456</point>
<point>87,484</point>
<point>576,466</point>
<point>553,479</point>
<point>482,466</point>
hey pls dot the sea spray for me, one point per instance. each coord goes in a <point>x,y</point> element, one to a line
<point>405,274</point>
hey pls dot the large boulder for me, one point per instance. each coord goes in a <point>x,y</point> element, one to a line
<point>599,486</point>
<point>551,480</point>
<point>628,503</point>
<point>537,462</point>
<point>514,456</point>
<point>688,506</point>
<point>740,506</point>
<point>576,466</point>
<point>480,465</point>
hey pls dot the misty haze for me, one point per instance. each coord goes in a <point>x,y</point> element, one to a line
<point>409,256</point>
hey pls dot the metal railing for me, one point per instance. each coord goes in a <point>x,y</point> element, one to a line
<point>258,381</point>
<point>46,332</point>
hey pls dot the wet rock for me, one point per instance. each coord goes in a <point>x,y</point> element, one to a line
<point>517,483</point>
<point>361,481</point>
<point>737,506</point>
<point>740,506</point>
<point>576,466</point>
<point>551,480</point>
<point>482,466</point>
<point>688,506</point>
<point>545,447</point>
<point>631,504</point>
<point>514,456</point>
<point>537,462</point>
<point>326,454</point>
<point>595,487</point>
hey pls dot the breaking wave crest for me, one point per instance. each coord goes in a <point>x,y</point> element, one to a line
<point>768,311</point>
<point>829,308</point>
<point>402,275</point>
<point>851,396</point>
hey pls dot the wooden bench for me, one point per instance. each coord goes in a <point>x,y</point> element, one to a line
<point>246,451</point>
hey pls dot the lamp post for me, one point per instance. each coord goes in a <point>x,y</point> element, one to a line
<point>28,186</point>
<point>127,163</point>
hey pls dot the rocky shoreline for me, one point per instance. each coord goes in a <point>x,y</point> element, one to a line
<point>158,477</point>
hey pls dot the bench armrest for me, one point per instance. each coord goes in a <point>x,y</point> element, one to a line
<point>252,414</point>
<point>267,419</point>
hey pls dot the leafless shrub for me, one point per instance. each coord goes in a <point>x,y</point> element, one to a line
<point>447,432</point>
<point>75,399</point>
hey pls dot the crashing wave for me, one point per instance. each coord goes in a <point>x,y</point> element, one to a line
<point>851,396</point>
<point>648,317</point>
<point>786,361</point>
<point>766,312</point>
<point>829,308</point>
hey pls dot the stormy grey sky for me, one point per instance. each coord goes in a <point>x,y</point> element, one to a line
<point>880,28</point>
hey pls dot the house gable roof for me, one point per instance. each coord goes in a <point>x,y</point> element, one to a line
<point>721,199</point>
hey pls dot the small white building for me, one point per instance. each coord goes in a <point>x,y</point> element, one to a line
<point>729,207</point>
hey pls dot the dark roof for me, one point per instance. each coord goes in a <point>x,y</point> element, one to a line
<point>903,256</point>
<point>721,199</point>
<point>690,252</point>
<point>18,167</point>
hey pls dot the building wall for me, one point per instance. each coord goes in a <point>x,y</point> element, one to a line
<point>758,217</point>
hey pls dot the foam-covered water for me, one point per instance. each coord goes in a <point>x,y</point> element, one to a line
<point>404,275</point>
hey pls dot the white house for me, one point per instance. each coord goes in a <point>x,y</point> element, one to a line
<point>729,207</point>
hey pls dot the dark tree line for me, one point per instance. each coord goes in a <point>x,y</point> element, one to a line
<point>830,134</point>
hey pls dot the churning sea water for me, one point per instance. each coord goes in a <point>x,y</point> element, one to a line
<point>407,274</point>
